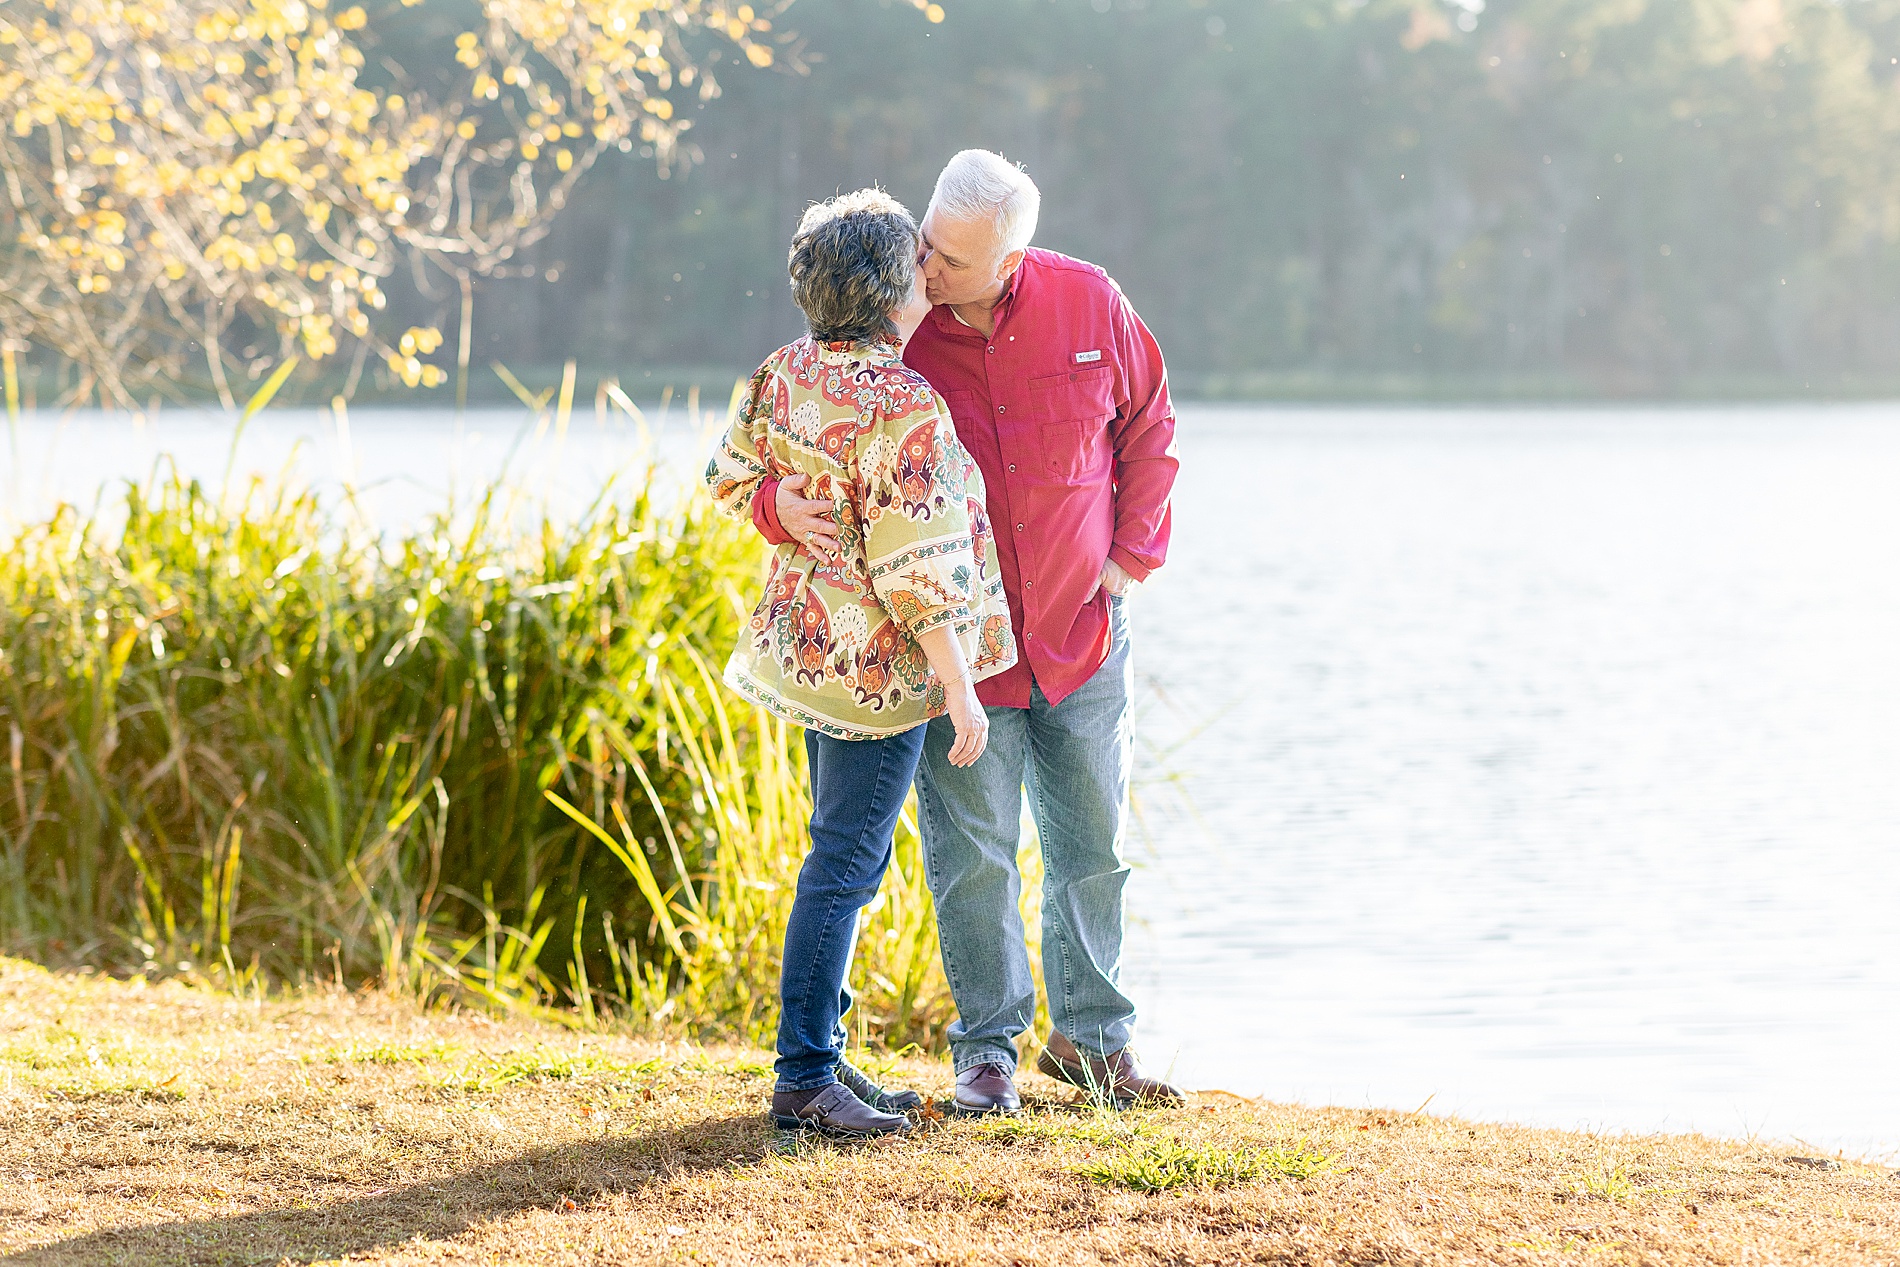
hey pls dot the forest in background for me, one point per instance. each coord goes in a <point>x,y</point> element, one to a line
<point>1530,197</point>
<point>1376,198</point>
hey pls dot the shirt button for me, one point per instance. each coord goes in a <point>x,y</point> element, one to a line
<point>1012,466</point>
<point>1029,585</point>
<point>1019,527</point>
<point>1002,408</point>
<point>992,351</point>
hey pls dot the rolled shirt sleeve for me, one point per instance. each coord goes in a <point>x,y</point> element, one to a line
<point>1146,460</point>
<point>917,536</point>
<point>765,513</point>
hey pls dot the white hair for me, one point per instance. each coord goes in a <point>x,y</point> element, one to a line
<point>979,185</point>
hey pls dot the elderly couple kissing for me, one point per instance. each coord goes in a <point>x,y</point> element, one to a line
<point>964,467</point>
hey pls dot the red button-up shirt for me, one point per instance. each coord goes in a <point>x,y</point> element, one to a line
<point>1065,409</point>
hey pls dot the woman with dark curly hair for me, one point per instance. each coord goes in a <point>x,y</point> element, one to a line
<point>861,644</point>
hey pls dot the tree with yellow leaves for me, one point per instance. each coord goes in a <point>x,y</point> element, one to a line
<point>226,183</point>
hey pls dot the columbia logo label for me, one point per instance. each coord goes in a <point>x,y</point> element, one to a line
<point>1083,358</point>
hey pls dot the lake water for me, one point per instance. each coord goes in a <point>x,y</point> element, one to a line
<point>1542,764</point>
<point>1545,763</point>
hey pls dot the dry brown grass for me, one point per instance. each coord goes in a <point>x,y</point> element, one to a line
<point>166,1124</point>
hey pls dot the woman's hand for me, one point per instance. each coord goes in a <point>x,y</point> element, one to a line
<point>966,711</point>
<point>972,723</point>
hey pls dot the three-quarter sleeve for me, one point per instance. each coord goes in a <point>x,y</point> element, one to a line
<point>738,465</point>
<point>916,517</point>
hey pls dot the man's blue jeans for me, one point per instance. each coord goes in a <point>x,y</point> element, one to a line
<point>858,788</point>
<point>1074,758</point>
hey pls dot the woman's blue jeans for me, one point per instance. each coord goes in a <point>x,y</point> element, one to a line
<point>857,791</point>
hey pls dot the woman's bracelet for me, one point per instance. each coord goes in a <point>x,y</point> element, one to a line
<point>949,682</point>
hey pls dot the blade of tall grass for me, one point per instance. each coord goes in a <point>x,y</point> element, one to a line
<point>259,398</point>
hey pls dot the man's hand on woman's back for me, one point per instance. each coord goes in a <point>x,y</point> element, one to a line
<point>805,519</point>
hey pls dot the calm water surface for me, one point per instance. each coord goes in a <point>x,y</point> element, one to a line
<point>1547,764</point>
<point>1542,763</point>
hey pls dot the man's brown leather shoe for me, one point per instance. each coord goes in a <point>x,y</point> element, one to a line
<point>986,1089</point>
<point>1115,1077</point>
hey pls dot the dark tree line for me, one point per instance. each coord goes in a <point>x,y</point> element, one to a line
<point>1616,196</point>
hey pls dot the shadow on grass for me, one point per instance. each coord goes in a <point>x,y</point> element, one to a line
<point>445,1207</point>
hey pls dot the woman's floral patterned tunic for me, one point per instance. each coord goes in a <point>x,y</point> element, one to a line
<point>832,646</point>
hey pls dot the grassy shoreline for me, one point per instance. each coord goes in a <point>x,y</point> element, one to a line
<point>166,1123</point>
<point>487,757</point>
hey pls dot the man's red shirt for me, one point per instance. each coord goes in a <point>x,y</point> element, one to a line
<point>1065,409</point>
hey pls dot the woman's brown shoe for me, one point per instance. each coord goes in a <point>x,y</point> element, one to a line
<point>1114,1078</point>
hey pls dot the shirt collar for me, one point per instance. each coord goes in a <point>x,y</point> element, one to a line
<point>1009,287</point>
<point>883,350</point>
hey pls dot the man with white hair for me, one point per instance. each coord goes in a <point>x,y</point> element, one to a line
<point>1060,394</point>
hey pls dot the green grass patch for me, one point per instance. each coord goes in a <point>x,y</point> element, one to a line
<point>63,1049</point>
<point>1157,1165</point>
<point>78,1066</point>
<point>430,1053</point>
<point>113,1088</point>
<point>739,1067</point>
<point>1608,1179</point>
<point>975,1194</point>
<point>541,1064</point>
<point>1059,1128</point>
<point>1605,1181</point>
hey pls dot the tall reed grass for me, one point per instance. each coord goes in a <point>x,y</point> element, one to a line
<point>247,738</point>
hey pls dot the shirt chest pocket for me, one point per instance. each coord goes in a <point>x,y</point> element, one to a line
<point>1075,409</point>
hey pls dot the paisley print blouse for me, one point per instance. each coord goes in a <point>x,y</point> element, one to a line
<point>832,646</point>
